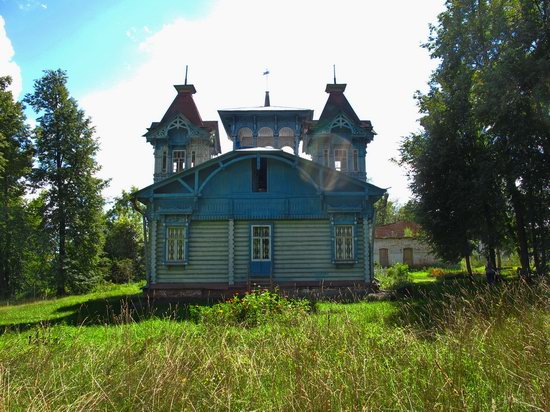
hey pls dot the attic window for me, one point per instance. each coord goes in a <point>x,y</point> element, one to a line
<point>259,175</point>
<point>178,161</point>
<point>355,161</point>
<point>193,159</point>
<point>325,157</point>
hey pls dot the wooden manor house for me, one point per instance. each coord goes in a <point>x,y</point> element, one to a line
<point>259,215</point>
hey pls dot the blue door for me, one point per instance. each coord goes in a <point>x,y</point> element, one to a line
<point>260,250</point>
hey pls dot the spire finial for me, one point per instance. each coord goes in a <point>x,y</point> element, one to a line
<point>186,67</point>
<point>266,101</point>
<point>334,72</point>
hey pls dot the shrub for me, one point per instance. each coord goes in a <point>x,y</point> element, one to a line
<point>252,309</point>
<point>394,277</point>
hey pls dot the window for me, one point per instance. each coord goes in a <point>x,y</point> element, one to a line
<point>175,239</point>
<point>193,159</point>
<point>164,161</point>
<point>355,161</point>
<point>261,243</point>
<point>408,256</point>
<point>259,175</point>
<point>343,242</point>
<point>326,160</point>
<point>178,160</point>
<point>341,160</point>
<point>383,257</point>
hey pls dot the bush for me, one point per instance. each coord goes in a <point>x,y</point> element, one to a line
<point>394,277</point>
<point>254,308</point>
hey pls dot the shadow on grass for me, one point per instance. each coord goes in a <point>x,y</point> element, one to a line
<point>458,300</point>
<point>124,309</point>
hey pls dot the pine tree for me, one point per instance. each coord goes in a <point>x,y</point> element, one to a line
<point>66,168</point>
<point>15,163</point>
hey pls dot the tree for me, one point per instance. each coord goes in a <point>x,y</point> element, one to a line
<point>124,239</point>
<point>66,165</point>
<point>480,163</point>
<point>15,163</point>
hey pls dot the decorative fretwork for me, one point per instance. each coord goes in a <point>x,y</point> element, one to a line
<point>344,242</point>
<point>179,122</point>
<point>175,244</point>
<point>261,243</point>
<point>341,122</point>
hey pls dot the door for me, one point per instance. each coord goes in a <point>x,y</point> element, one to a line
<point>260,250</point>
<point>408,256</point>
<point>384,260</point>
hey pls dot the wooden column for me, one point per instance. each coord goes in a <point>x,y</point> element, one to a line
<point>153,241</point>
<point>367,247</point>
<point>231,252</point>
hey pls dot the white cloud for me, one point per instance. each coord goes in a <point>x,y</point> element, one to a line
<point>7,64</point>
<point>375,46</point>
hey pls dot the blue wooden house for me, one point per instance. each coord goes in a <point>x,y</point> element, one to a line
<point>259,214</point>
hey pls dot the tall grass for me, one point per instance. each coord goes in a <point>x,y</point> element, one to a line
<point>455,345</point>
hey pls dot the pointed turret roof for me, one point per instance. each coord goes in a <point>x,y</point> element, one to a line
<point>185,105</point>
<point>337,103</point>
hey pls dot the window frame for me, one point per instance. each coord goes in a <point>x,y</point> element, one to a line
<point>269,237</point>
<point>175,170</point>
<point>184,246</point>
<point>342,160</point>
<point>345,220</point>
<point>355,157</point>
<point>350,237</point>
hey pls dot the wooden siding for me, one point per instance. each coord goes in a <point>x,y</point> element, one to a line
<point>302,251</point>
<point>208,254</point>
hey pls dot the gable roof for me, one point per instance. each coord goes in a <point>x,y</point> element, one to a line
<point>397,230</point>
<point>223,160</point>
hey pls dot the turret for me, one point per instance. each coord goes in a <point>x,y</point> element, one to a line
<point>339,138</point>
<point>182,140</point>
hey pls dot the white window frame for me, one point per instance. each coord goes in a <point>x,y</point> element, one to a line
<point>350,238</point>
<point>341,157</point>
<point>179,243</point>
<point>175,168</point>
<point>260,237</point>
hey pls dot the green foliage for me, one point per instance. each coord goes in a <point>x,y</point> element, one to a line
<point>124,245</point>
<point>15,164</point>
<point>450,345</point>
<point>387,211</point>
<point>394,277</point>
<point>72,216</point>
<point>479,168</point>
<point>254,308</point>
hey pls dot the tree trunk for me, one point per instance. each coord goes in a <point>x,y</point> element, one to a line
<point>519,212</point>
<point>468,265</point>
<point>499,259</point>
<point>62,231</point>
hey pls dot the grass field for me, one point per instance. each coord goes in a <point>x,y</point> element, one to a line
<point>447,344</point>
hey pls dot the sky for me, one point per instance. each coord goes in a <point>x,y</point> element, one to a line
<point>123,57</point>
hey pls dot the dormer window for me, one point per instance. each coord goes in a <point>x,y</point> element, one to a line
<point>178,161</point>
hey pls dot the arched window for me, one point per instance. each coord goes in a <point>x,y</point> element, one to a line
<point>265,137</point>
<point>245,137</point>
<point>286,137</point>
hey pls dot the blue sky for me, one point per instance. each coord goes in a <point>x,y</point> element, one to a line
<point>122,58</point>
<point>93,40</point>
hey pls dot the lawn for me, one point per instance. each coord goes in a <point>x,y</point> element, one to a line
<point>448,344</point>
